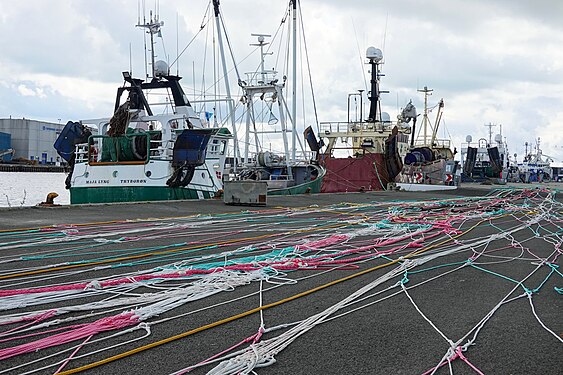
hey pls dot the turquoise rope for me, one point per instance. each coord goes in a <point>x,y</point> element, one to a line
<point>528,291</point>
<point>440,266</point>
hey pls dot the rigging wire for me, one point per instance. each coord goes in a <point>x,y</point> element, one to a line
<point>362,69</point>
<point>309,71</point>
<point>201,27</point>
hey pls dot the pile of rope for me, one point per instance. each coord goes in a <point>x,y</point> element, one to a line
<point>119,121</point>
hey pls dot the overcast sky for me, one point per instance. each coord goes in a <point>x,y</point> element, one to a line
<point>492,61</point>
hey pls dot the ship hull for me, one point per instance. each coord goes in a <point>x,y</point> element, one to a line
<point>434,175</point>
<point>310,187</point>
<point>86,195</point>
<point>365,173</point>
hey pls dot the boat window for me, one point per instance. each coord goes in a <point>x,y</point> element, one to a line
<point>154,125</point>
<point>217,147</point>
<point>139,125</point>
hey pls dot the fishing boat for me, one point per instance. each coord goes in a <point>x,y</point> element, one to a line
<point>274,151</point>
<point>140,155</point>
<point>363,155</point>
<point>429,163</point>
<point>536,166</point>
<point>487,160</point>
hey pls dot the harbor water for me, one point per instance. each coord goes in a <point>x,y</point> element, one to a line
<point>22,189</point>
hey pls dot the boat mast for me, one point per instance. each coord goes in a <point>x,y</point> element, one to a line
<point>250,115</point>
<point>266,84</point>
<point>427,92</point>
<point>294,85</point>
<point>153,27</point>
<point>281,102</point>
<point>490,126</point>
<point>374,56</point>
<point>227,87</point>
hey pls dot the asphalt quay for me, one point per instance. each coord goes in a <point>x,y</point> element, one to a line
<point>345,312</point>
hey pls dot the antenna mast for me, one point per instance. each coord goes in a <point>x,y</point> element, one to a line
<point>153,27</point>
<point>374,56</point>
<point>490,126</point>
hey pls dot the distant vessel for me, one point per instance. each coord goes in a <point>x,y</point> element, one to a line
<point>429,163</point>
<point>487,159</point>
<point>139,155</point>
<point>535,167</point>
<point>362,155</point>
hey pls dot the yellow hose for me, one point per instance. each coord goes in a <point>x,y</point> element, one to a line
<point>257,309</point>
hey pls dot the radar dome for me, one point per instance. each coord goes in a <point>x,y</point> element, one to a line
<point>498,138</point>
<point>468,139</point>
<point>160,68</point>
<point>375,54</point>
<point>385,117</point>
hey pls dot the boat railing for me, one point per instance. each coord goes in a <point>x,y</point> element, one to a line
<point>438,143</point>
<point>354,128</point>
<point>81,153</point>
<point>136,148</point>
<point>261,78</point>
<point>304,157</point>
<point>161,149</point>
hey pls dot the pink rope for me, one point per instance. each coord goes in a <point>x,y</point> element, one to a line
<point>34,318</point>
<point>12,338</point>
<point>322,243</point>
<point>105,324</point>
<point>458,354</point>
<point>464,359</point>
<point>433,369</point>
<point>254,338</point>
<point>72,355</point>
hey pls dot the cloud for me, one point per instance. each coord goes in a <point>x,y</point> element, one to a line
<point>24,90</point>
<point>498,62</point>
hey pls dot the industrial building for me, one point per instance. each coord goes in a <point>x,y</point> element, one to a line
<point>32,139</point>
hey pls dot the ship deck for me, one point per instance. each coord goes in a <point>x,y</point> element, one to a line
<point>465,281</point>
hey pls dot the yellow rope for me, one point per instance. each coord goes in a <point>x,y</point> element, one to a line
<point>257,309</point>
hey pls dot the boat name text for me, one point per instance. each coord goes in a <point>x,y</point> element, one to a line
<point>133,181</point>
<point>128,181</point>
